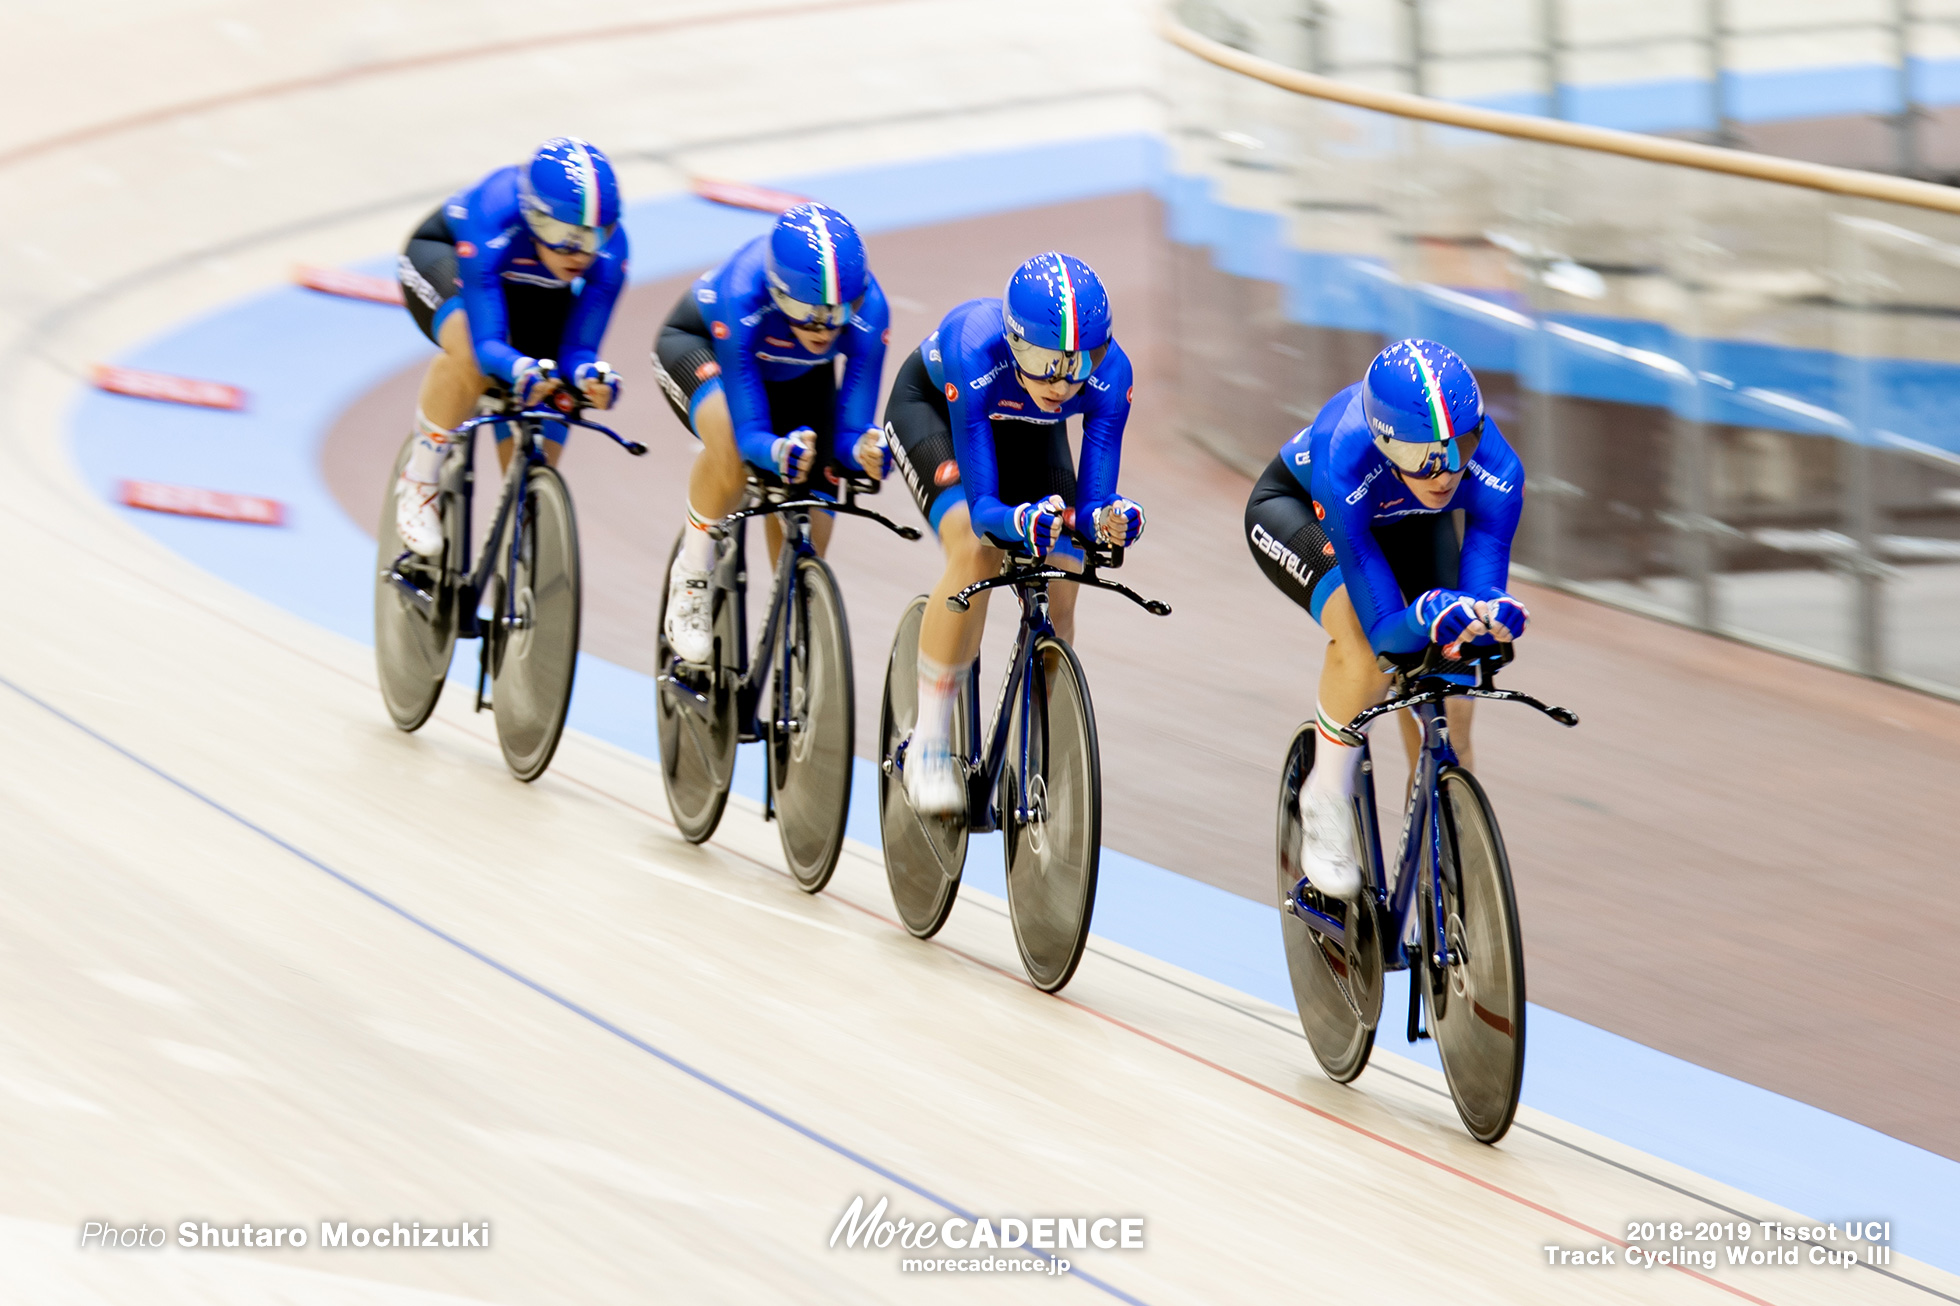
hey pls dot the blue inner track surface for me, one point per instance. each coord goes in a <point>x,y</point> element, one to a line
<point>319,565</point>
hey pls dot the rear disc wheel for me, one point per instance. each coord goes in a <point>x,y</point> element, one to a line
<point>1337,987</point>
<point>1051,817</point>
<point>924,855</point>
<point>411,648</point>
<point>695,712</point>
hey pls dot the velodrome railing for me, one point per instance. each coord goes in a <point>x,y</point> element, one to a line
<point>1734,379</point>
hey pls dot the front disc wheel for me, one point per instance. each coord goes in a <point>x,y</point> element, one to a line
<point>1051,816</point>
<point>537,618</point>
<point>810,770</point>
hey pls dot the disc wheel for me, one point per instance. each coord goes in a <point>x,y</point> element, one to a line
<point>810,761</point>
<point>1052,818</point>
<point>536,627</point>
<point>924,855</point>
<point>697,740</point>
<point>411,648</point>
<point>1336,987</point>
<point>1477,1002</point>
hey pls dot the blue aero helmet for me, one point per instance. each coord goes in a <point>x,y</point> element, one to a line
<point>569,196</point>
<point>816,267</point>
<point>1423,408</point>
<point>1057,315</point>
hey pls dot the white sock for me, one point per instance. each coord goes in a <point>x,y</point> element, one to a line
<point>938,686</point>
<point>432,444</point>
<point>1335,761</point>
<point>697,546</point>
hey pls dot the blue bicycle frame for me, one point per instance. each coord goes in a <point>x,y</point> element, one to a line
<point>1423,693</point>
<point>1030,584</point>
<point>470,582</point>
<point>796,546</point>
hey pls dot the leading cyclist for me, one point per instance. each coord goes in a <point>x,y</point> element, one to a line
<point>983,404</point>
<point>747,362</point>
<point>1354,522</point>
<point>518,271</point>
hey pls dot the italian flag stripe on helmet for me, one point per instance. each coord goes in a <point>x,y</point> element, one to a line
<point>1432,389</point>
<point>1071,329</point>
<point>827,257</point>
<point>587,177</point>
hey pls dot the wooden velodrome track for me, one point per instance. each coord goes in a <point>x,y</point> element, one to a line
<point>265,959</point>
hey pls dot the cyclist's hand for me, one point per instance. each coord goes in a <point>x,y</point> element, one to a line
<point>1119,523</point>
<point>874,453</point>
<point>1502,615</point>
<point>598,383</point>
<point>1040,525</point>
<point>1450,617</point>
<point>532,381</point>
<point>794,454</point>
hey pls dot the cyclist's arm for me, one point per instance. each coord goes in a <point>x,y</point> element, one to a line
<point>1370,581</point>
<point>973,445</point>
<point>864,367</point>
<point>1103,420</point>
<point>741,381</point>
<point>1494,504</point>
<point>480,254</point>
<point>586,326</point>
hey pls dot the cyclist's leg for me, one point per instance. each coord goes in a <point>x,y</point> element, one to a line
<point>1283,531</point>
<point>449,388</point>
<point>807,400</point>
<point>537,317</point>
<point>920,431</point>
<point>1045,466</point>
<point>1423,552</point>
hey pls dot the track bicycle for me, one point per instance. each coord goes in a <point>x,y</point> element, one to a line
<point>1039,780</point>
<point>1449,916</point>
<point>521,598</point>
<point>807,720</point>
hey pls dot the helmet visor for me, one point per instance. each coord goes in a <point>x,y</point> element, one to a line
<point>1040,364</point>
<point>566,237</point>
<point>1420,461</point>
<point>828,317</point>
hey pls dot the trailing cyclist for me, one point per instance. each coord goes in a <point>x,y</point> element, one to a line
<point>978,416</point>
<point>1354,522</point>
<point>747,362</point>
<point>514,280</point>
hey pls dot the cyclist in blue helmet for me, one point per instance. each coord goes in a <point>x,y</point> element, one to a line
<point>514,280</point>
<point>747,360</point>
<point>978,416</point>
<point>1355,522</point>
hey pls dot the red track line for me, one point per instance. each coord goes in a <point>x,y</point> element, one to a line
<point>408,63</point>
<point>1119,1023</point>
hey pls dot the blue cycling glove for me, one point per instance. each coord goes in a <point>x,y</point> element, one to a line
<point>598,383</point>
<point>1040,525</point>
<point>794,454</point>
<point>1447,615</point>
<point>1500,609</point>
<point>532,380</point>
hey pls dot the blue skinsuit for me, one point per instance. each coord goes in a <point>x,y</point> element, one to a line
<point>753,344</point>
<point>1354,487</point>
<point>493,246</point>
<point>968,359</point>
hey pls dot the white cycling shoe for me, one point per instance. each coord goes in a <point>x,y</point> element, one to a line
<point>690,616</point>
<point>1327,844</point>
<point>418,516</point>
<point>933,783</point>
